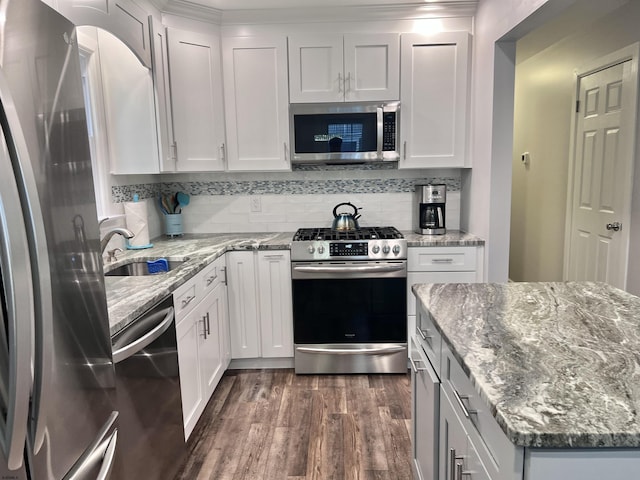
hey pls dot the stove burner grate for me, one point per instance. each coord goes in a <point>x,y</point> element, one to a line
<point>363,233</point>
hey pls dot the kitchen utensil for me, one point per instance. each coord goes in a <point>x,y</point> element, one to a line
<point>164,207</point>
<point>183,200</point>
<point>345,221</point>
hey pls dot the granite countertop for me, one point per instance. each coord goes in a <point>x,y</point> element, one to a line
<point>453,238</point>
<point>130,297</point>
<point>557,363</point>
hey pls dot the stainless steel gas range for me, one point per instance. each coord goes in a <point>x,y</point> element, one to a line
<point>349,300</point>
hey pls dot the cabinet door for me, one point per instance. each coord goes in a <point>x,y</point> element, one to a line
<point>188,332</point>
<point>162,97</point>
<point>372,67</point>
<point>276,315</point>
<point>212,313</point>
<point>425,390</point>
<point>434,85</point>
<point>196,100</point>
<point>316,68</point>
<point>477,470</point>
<point>257,106</point>
<point>453,441</point>
<point>243,307</point>
<point>123,18</point>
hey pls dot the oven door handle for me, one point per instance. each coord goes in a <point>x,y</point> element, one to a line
<point>350,269</point>
<point>353,351</point>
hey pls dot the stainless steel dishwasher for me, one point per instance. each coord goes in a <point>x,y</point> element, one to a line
<point>151,442</point>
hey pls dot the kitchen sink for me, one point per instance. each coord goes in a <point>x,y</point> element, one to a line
<point>140,267</point>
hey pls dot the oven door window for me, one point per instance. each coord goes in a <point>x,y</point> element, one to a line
<point>369,310</point>
<point>326,133</point>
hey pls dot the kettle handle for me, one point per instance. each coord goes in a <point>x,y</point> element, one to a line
<point>355,209</point>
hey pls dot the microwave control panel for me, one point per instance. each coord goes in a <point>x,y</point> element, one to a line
<point>389,131</point>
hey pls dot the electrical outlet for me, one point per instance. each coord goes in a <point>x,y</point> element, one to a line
<point>256,204</point>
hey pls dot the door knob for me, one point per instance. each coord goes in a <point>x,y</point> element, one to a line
<point>615,226</point>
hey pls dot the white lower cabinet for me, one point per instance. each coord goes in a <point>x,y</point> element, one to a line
<point>203,341</point>
<point>439,265</point>
<point>425,400</point>
<point>260,311</point>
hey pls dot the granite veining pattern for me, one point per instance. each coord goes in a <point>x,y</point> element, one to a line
<point>557,363</point>
<point>130,297</point>
<point>452,238</point>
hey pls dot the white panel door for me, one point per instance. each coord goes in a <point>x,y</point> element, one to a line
<point>434,100</point>
<point>162,95</point>
<point>243,305</point>
<point>276,311</point>
<point>212,314</point>
<point>316,68</point>
<point>602,178</point>
<point>196,100</point>
<point>188,332</point>
<point>257,105</point>
<point>372,67</point>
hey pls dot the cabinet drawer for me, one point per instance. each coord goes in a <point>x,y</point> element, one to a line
<point>428,338</point>
<point>493,448</point>
<point>185,298</point>
<point>212,276</point>
<point>441,259</point>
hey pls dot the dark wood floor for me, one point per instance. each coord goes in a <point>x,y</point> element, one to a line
<point>276,425</point>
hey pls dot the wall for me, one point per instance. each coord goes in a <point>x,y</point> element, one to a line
<point>545,83</point>
<point>288,201</point>
<point>486,189</point>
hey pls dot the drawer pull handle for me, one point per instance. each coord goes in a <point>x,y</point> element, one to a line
<point>187,300</point>
<point>467,413</point>
<point>423,334</point>
<point>442,260</point>
<point>211,279</point>
<point>415,367</point>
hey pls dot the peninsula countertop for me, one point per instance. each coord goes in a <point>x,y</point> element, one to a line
<point>557,363</point>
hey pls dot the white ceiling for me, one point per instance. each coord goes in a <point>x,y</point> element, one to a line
<point>274,4</point>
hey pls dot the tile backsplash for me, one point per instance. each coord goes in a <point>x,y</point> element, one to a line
<point>288,201</point>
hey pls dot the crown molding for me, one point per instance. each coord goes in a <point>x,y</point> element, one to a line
<point>407,11</point>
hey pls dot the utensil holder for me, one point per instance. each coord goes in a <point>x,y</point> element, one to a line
<point>173,224</point>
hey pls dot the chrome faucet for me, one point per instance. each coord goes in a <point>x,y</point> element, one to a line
<point>119,230</point>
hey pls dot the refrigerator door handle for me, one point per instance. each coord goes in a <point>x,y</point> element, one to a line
<point>42,297</point>
<point>18,294</point>
<point>102,452</point>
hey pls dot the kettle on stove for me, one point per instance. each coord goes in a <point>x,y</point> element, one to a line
<point>345,221</point>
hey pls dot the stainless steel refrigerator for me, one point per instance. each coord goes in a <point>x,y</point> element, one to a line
<point>57,388</point>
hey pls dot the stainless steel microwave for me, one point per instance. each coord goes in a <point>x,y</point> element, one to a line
<point>336,133</point>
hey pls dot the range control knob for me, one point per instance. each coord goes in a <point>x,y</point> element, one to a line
<point>396,249</point>
<point>321,249</point>
<point>376,249</point>
<point>385,249</point>
<point>311,249</point>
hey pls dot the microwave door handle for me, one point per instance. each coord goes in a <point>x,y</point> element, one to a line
<point>380,116</point>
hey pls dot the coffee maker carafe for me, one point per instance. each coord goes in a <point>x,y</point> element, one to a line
<point>429,217</point>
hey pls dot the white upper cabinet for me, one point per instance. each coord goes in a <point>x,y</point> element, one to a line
<point>162,96</point>
<point>434,100</point>
<point>122,18</point>
<point>256,101</point>
<point>196,100</point>
<point>349,68</point>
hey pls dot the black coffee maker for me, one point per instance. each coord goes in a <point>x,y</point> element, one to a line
<point>429,216</point>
